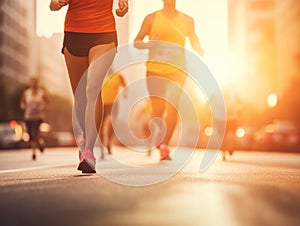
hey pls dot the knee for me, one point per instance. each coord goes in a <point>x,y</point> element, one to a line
<point>93,91</point>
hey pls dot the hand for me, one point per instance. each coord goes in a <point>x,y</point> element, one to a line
<point>58,4</point>
<point>123,4</point>
<point>63,3</point>
<point>123,8</point>
<point>154,42</point>
<point>201,52</point>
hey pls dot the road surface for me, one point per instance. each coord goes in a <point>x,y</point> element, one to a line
<point>251,188</point>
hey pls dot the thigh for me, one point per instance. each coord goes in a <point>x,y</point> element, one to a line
<point>109,50</point>
<point>167,88</point>
<point>29,127</point>
<point>156,85</point>
<point>100,60</point>
<point>33,127</point>
<point>77,69</point>
<point>107,110</point>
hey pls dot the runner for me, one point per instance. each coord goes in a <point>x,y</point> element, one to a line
<point>173,26</point>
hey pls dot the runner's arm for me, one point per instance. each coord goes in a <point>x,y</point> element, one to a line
<point>195,43</point>
<point>56,5</point>
<point>139,42</point>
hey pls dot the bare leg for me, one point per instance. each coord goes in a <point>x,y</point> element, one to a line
<point>171,117</point>
<point>33,146</point>
<point>102,133</point>
<point>77,67</point>
<point>100,58</point>
<point>158,109</point>
<point>110,133</point>
<point>165,105</point>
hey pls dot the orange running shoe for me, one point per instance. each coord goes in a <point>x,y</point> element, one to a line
<point>164,152</point>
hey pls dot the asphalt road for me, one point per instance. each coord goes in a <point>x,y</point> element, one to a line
<point>251,188</point>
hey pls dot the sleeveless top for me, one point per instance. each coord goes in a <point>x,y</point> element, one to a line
<point>173,30</point>
<point>90,16</point>
<point>34,105</point>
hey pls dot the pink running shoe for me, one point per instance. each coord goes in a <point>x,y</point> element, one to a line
<point>164,152</point>
<point>87,161</point>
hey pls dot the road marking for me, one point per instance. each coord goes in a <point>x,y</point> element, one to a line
<point>32,168</point>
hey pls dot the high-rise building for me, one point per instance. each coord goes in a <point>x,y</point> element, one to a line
<point>252,38</point>
<point>51,65</point>
<point>17,32</point>
<point>288,45</point>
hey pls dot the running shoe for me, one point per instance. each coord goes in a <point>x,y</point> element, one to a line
<point>164,152</point>
<point>87,161</point>
<point>109,149</point>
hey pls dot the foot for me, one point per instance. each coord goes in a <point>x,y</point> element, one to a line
<point>41,145</point>
<point>33,157</point>
<point>87,161</point>
<point>109,149</point>
<point>102,153</point>
<point>41,149</point>
<point>224,155</point>
<point>164,152</point>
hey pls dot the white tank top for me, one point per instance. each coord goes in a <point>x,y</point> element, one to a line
<point>34,105</point>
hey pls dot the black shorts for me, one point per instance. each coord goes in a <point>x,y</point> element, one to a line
<point>33,128</point>
<point>79,44</point>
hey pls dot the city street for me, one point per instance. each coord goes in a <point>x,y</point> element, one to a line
<point>250,188</point>
<point>198,74</point>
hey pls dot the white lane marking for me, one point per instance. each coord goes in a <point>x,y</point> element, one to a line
<point>32,168</point>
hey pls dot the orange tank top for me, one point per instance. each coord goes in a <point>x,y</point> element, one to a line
<point>91,16</point>
<point>173,30</point>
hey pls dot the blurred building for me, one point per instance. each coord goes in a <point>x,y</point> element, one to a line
<point>17,35</point>
<point>51,65</point>
<point>23,54</point>
<point>17,52</point>
<point>252,38</point>
<point>288,41</point>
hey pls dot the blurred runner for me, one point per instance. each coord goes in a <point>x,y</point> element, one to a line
<point>172,26</point>
<point>33,103</point>
<point>110,91</point>
<point>233,108</point>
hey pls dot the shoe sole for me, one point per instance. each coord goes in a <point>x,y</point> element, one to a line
<point>85,167</point>
<point>165,158</point>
